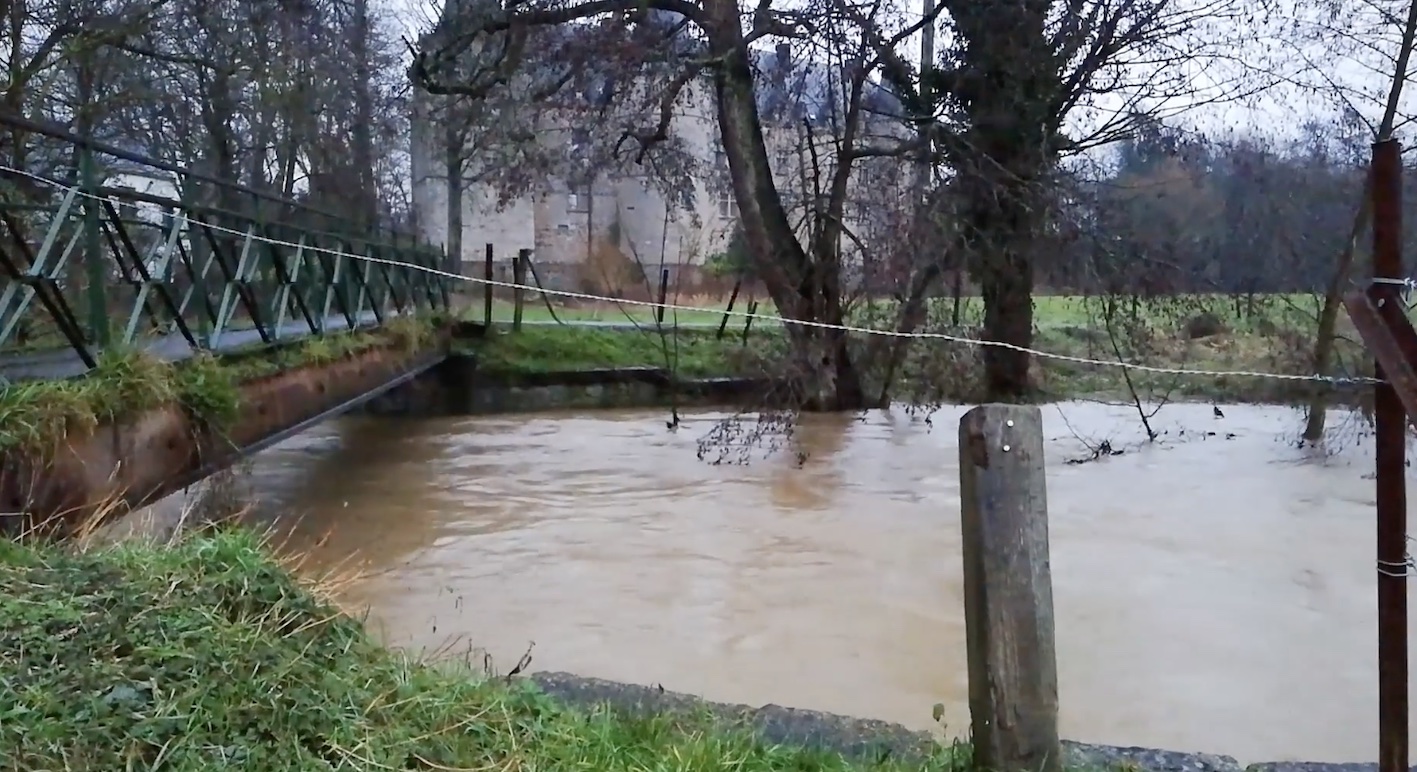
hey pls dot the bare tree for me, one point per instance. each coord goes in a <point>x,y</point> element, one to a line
<point>1391,39</point>
<point>993,115</point>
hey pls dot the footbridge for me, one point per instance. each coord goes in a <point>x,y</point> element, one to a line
<point>157,324</point>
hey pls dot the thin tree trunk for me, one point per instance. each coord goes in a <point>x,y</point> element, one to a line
<point>454,170</point>
<point>827,378</point>
<point>1328,315</point>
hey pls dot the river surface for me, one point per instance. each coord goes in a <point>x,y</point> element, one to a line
<point>1214,592</point>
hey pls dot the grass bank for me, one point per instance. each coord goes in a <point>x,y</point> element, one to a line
<point>207,654</point>
<point>1242,311</point>
<point>940,370</point>
<point>692,353</point>
<point>36,414</point>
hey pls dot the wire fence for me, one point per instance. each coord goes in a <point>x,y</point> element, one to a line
<point>1392,565</point>
<point>740,314</point>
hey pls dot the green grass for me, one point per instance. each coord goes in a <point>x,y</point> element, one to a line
<point>535,310</point>
<point>208,655</point>
<point>1275,338</point>
<point>1049,310</point>
<point>36,415</point>
<point>691,353</point>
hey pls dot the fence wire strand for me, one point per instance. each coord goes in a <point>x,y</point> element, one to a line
<point>667,306</point>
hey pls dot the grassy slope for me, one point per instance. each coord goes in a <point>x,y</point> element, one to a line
<point>35,414</point>
<point>208,655</point>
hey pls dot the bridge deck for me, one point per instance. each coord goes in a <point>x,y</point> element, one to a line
<point>55,365</point>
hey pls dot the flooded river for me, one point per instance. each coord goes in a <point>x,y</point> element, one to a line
<point>1214,592</point>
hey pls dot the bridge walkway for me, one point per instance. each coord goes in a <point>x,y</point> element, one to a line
<point>126,252</point>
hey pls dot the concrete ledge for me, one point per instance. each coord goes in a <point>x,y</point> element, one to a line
<point>457,387</point>
<point>879,739</point>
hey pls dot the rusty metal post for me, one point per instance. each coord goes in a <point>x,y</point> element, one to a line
<point>1391,435</point>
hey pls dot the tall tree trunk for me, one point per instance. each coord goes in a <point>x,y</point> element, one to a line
<point>362,138</point>
<point>1010,91</point>
<point>1006,284</point>
<point>453,167</point>
<point>1000,225</point>
<point>826,375</point>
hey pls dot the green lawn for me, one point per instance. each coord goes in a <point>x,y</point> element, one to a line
<point>1049,310</point>
<point>208,655</point>
<point>941,370</point>
<point>692,353</point>
<point>535,310</point>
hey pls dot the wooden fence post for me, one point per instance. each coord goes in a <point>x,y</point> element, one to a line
<point>518,295</point>
<point>663,296</point>
<point>1008,590</point>
<point>737,285</point>
<point>487,274</point>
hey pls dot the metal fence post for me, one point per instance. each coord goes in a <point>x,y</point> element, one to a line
<point>487,274</point>
<point>1391,447</point>
<point>95,270</point>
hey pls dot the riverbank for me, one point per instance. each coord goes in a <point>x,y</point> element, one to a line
<point>936,370</point>
<point>34,415</point>
<point>206,653</point>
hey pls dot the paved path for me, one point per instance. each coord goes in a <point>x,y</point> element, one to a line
<point>57,365</point>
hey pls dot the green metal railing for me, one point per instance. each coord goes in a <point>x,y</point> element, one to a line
<point>87,267</point>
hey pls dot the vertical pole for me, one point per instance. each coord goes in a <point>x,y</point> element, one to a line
<point>663,296</point>
<point>96,272</point>
<point>1008,590</point>
<point>487,294</point>
<point>518,296</point>
<point>1391,441</point>
<point>748,323</point>
<point>732,296</point>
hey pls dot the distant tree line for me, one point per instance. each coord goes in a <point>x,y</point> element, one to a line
<point>1179,213</point>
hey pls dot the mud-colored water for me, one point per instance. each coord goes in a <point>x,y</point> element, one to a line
<point>1212,593</point>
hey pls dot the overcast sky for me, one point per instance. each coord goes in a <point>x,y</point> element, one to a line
<point>1313,62</point>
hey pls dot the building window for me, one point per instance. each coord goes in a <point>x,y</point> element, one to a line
<point>578,199</point>
<point>723,193</point>
<point>580,143</point>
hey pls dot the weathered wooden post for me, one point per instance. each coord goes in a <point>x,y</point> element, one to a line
<point>1008,590</point>
<point>732,296</point>
<point>488,275</point>
<point>748,323</point>
<point>663,296</point>
<point>518,294</point>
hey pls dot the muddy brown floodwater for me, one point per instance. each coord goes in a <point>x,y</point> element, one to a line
<point>1212,593</point>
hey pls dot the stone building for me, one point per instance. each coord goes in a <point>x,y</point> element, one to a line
<point>592,237</point>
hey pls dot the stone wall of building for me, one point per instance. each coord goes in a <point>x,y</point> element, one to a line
<point>606,239</point>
